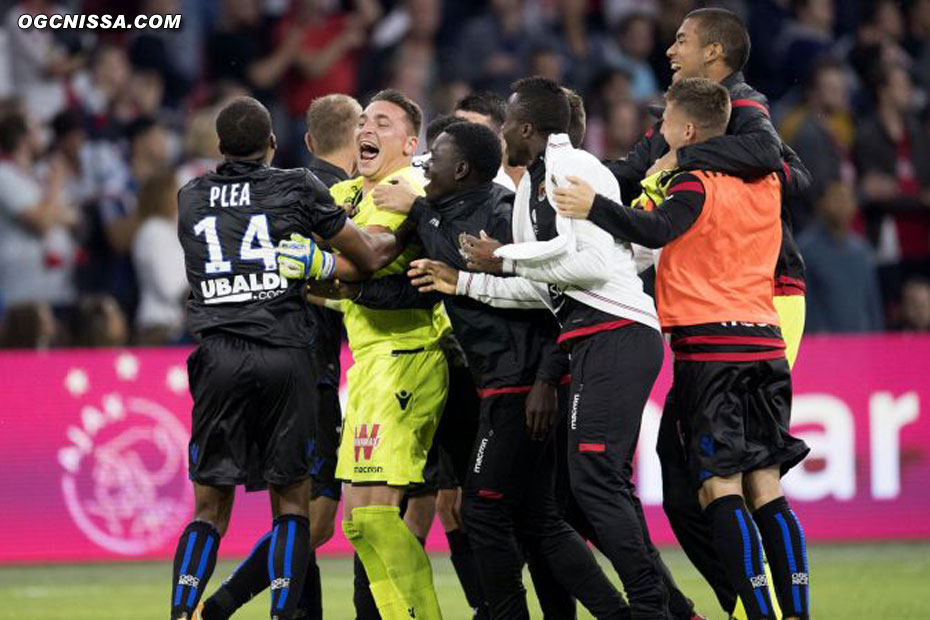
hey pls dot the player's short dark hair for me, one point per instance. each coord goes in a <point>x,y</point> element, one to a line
<point>721,26</point>
<point>479,146</point>
<point>405,103</point>
<point>704,102</point>
<point>484,102</point>
<point>243,127</point>
<point>543,103</point>
<point>578,123</point>
<point>438,125</point>
<point>13,128</point>
<point>331,122</point>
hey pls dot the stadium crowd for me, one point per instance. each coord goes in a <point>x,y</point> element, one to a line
<point>98,129</point>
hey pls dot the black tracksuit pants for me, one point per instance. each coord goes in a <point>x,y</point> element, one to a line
<point>509,504</point>
<point>612,375</point>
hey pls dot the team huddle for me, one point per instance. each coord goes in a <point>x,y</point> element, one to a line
<point>504,347</point>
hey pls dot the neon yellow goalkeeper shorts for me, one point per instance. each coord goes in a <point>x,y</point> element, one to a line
<point>791,310</point>
<point>395,401</point>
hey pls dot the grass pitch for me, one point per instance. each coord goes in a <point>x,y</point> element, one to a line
<point>849,582</point>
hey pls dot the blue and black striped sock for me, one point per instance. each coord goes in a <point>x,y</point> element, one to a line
<point>786,549</point>
<point>194,561</point>
<point>249,578</point>
<point>737,544</point>
<point>287,563</point>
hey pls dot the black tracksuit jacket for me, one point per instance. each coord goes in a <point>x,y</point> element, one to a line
<point>504,347</point>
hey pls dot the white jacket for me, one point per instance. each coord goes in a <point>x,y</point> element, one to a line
<point>583,261</point>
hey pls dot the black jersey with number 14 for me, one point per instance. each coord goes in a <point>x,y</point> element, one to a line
<point>229,223</point>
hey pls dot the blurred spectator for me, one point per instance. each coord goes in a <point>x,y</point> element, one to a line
<point>172,54</point>
<point>821,130</point>
<point>494,47</point>
<point>403,54</point>
<point>28,326</point>
<point>914,314</point>
<point>201,146</point>
<point>149,154</point>
<point>842,287</point>
<point>918,36</point>
<point>159,263</point>
<point>625,127</point>
<point>610,87</point>
<point>100,88</point>
<point>630,51</point>
<point>36,248</point>
<point>892,155</point>
<point>39,60</point>
<point>240,48</point>
<point>805,38</point>
<point>99,322</point>
<point>878,38</point>
<point>327,61</point>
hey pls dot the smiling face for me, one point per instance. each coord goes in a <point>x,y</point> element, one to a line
<point>687,55</point>
<point>444,168</point>
<point>383,140</point>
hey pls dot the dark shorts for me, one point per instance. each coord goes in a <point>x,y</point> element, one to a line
<point>253,412</point>
<point>325,445</point>
<point>735,417</point>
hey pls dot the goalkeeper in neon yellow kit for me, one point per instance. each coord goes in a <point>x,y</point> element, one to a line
<point>398,383</point>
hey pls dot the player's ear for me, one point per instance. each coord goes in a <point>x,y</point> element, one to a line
<point>712,52</point>
<point>308,140</point>
<point>410,145</point>
<point>462,170</point>
<point>690,132</point>
<point>526,130</point>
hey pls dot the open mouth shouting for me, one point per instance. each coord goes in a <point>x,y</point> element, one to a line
<point>367,150</point>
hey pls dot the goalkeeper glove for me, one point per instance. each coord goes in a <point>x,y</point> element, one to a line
<point>300,258</point>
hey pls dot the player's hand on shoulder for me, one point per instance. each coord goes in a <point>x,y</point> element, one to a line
<point>396,195</point>
<point>478,252</point>
<point>433,275</point>
<point>575,200</point>
<point>669,161</point>
<point>299,258</point>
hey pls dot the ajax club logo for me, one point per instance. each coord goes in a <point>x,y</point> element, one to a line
<point>124,465</point>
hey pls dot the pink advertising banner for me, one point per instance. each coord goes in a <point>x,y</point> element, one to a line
<point>94,451</point>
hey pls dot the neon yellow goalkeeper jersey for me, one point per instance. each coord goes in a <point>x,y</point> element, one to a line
<point>383,331</point>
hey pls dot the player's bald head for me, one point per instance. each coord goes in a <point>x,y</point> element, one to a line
<point>244,128</point>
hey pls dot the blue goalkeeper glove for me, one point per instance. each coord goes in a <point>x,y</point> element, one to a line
<point>300,258</point>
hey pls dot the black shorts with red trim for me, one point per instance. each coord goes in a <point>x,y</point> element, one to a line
<point>732,390</point>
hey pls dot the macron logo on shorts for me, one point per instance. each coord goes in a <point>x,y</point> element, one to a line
<point>366,441</point>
